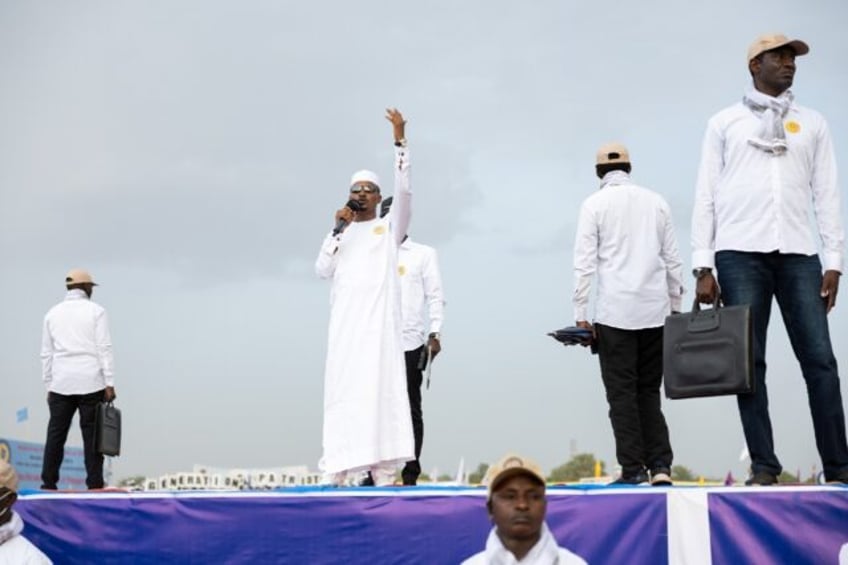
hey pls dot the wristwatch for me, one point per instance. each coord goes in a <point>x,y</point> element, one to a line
<point>436,335</point>
<point>701,272</point>
<point>400,142</point>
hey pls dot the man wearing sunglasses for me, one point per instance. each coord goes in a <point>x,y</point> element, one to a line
<point>367,424</point>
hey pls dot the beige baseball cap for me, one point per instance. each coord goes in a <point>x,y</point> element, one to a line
<point>612,153</point>
<point>510,466</point>
<point>76,276</point>
<point>8,477</point>
<point>771,41</point>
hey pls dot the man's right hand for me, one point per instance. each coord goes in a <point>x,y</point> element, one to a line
<point>345,214</point>
<point>706,289</point>
<point>109,394</point>
<point>587,326</point>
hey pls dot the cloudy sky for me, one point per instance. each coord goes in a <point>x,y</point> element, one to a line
<point>191,155</point>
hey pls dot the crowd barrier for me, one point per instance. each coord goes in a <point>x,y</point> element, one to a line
<point>435,525</point>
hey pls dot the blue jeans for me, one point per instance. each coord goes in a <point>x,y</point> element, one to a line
<point>795,280</point>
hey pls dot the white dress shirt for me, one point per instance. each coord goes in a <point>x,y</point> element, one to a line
<point>750,200</point>
<point>76,349</point>
<point>420,292</point>
<point>625,236</point>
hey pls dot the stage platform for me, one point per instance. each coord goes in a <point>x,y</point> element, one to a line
<point>438,525</point>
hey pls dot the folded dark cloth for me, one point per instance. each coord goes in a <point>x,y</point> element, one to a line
<point>573,335</point>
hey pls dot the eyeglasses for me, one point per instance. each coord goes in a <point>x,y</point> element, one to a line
<point>366,188</point>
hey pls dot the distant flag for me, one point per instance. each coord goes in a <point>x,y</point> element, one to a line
<point>729,480</point>
<point>460,473</point>
<point>22,414</point>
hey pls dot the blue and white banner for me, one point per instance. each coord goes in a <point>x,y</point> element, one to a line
<point>435,525</point>
<point>26,457</point>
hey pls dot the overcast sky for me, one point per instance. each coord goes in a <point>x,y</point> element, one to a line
<point>191,156</point>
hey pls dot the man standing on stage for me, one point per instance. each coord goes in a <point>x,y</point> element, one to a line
<point>367,427</point>
<point>422,307</point>
<point>625,240</point>
<point>767,166</point>
<point>78,370</point>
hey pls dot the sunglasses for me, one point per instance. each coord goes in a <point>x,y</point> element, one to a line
<point>366,188</point>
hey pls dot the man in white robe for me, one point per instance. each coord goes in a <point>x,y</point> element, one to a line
<point>367,424</point>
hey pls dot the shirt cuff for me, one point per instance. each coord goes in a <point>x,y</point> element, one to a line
<point>580,314</point>
<point>703,258</point>
<point>832,261</point>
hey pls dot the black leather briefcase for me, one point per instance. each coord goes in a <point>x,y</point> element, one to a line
<point>107,438</point>
<point>708,352</point>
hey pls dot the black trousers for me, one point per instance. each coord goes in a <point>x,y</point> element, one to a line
<point>62,410</point>
<point>414,377</point>
<point>631,368</point>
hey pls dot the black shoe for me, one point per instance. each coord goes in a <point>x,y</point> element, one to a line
<point>368,481</point>
<point>840,479</point>
<point>762,479</point>
<point>661,477</point>
<point>640,478</point>
<point>48,487</point>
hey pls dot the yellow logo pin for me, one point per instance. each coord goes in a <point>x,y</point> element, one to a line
<point>380,230</point>
<point>793,126</point>
<point>401,270</point>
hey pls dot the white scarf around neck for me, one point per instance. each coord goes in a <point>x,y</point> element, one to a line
<point>771,111</point>
<point>613,178</point>
<point>545,552</point>
<point>11,528</point>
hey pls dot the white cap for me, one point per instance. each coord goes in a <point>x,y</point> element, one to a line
<point>365,176</point>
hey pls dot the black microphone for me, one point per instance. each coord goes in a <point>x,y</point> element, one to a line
<point>342,224</point>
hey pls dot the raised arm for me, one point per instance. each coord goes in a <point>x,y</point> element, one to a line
<point>401,211</point>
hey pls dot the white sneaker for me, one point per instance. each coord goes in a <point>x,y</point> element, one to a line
<point>660,479</point>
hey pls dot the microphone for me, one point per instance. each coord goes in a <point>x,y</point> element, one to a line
<point>342,224</point>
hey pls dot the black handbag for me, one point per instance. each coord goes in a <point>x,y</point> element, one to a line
<point>708,352</point>
<point>107,433</point>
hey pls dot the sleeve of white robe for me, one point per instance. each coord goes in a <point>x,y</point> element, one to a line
<point>325,265</point>
<point>400,213</point>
